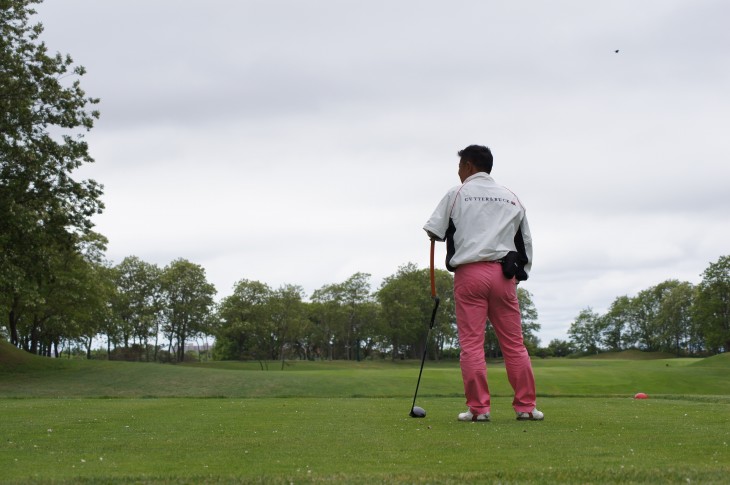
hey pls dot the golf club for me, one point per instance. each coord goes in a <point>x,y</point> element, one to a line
<point>419,412</point>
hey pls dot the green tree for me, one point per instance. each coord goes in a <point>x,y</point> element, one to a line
<point>530,324</point>
<point>287,313</point>
<point>44,113</point>
<point>370,336</point>
<point>64,301</point>
<point>406,307</point>
<point>405,304</point>
<point>345,319</point>
<point>615,323</point>
<point>187,303</point>
<point>646,325</point>
<point>713,305</point>
<point>326,313</point>
<point>444,333</point>
<point>560,348</point>
<point>356,294</point>
<point>676,319</point>
<point>241,328</point>
<point>98,312</point>
<point>138,302</point>
<point>79,297</point>
<point>585,331</point>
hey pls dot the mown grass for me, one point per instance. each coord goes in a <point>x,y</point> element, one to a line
<point>556,377</point>
<point>584,440</point>
<point>233,423</point>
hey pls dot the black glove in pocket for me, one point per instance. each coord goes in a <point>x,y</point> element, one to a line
<point>513,266</point>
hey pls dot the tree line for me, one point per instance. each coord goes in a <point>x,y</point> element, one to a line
<point>674,316</point>
<point>144,312</point>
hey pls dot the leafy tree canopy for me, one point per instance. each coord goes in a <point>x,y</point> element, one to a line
<point>44,114</point>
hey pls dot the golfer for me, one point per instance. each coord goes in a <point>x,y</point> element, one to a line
<point>489,248</point>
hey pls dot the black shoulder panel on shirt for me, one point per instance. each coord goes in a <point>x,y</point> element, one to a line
<point>522,252</point>
<point>450,249</point>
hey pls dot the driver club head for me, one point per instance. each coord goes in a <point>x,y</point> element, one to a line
<point>417,412</point>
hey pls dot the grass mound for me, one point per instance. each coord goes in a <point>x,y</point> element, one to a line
<point>720,360</point>
<point>11,357</point>
<point>632,354</point>
<point>64,378</point>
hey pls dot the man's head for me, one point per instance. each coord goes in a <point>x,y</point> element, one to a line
<point>473,159</point>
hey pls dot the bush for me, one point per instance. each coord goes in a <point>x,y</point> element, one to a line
<point>135,353</point>
<point>451,353</point>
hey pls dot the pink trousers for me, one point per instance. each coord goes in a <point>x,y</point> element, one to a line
<point>482,292</point>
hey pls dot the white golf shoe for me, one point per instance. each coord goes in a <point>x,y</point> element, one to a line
<point>533,415</point>
<point>468,416</point>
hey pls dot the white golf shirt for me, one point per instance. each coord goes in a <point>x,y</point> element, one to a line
<point>480,220</point>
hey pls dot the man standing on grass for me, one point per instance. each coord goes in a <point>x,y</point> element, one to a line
<point>489,249</point>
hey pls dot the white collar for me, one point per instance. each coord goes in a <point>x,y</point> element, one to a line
<point>477,175</point>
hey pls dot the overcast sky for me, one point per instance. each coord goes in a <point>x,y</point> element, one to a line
<point>300,142</point>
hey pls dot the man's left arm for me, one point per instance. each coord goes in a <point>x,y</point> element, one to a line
<point>524,245</point>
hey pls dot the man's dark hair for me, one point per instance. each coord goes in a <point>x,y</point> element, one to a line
<point>479,155</point>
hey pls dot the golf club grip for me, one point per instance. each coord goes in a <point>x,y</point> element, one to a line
<point>433,276</point>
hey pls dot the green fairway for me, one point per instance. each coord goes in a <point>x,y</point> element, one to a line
<point>557,377</point>
<point>232,423</point>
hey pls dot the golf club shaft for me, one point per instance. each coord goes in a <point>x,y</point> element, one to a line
<point>433,319</point>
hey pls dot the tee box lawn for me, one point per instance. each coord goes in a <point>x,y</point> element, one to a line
<point>344,422</point>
